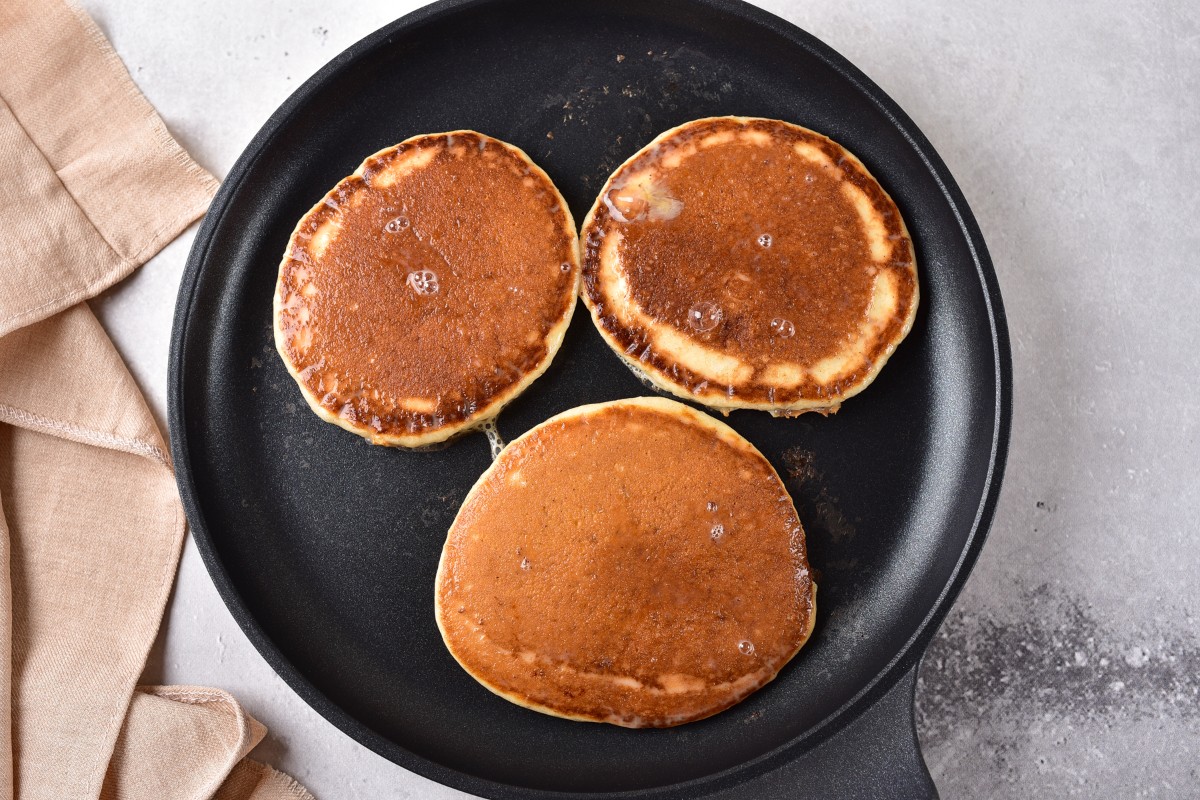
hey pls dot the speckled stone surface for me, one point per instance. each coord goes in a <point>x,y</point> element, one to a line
<point>1071,664</point>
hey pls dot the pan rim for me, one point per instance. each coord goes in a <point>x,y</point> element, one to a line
<point>905,659</point>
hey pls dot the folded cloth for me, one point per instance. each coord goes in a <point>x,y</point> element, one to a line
<point>91,186</point>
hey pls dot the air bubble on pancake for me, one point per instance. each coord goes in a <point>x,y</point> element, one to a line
<point>717,532</point>
<point>704,316</point>
<point>810,178</point>
<point>423,281</point>
<point>641,198</point>
<point>397,225</point>
<point>525,565</point>
<point>783,328</point>
<point>746,647</point>
<point>764,240</point>
<point>329,201</point>
<point>564,266</point>
<point>712,505</point>
<point>625,205</point>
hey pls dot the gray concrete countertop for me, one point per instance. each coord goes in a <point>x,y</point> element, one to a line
<point>1071,664</point>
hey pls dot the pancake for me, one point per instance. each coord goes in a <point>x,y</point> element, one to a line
<point>749,263</point>
<point>428,289</point>
<point>634,562</point>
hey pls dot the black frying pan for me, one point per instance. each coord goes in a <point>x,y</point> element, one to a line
<point>325,547</point>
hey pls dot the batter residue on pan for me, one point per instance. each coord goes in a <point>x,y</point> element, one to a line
<point>634,562</point>
<point>427,289</point>
<point>749,263</point>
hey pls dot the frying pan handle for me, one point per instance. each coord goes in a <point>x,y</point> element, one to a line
<point>875,756</point>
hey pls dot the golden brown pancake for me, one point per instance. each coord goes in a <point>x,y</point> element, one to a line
<point>634,562</point>
<point>749,263</point>
<point>427,289</point>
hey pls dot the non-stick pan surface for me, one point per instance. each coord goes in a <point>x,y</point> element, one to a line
<point>325,547</point>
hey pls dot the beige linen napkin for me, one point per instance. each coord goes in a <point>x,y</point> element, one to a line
<point>91,186</point>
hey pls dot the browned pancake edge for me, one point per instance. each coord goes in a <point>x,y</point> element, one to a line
<point>630,344</point>
<point>421,429</point>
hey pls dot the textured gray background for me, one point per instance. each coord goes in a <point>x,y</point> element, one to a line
<point>1071,665</point>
